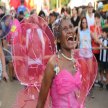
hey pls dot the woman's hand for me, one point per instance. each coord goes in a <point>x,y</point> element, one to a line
<point>5,76</point>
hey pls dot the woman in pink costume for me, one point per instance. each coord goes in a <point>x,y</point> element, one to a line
<point>63,73</point>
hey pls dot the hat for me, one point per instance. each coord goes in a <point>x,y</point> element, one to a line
<point>105,28</point>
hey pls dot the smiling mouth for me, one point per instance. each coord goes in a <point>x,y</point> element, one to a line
<point>71,38</point>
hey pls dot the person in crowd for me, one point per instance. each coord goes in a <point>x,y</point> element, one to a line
<point>21,16</point>
<point>84,35</point>
<point>63,11</point>
<point>22,7</point>
<point>90,15</point>
<point>96,30</point>
<point>104,57</point>
<point>13,12</point>
<point>52,17</point>
<point>75,19</point>
<point>42,14</point>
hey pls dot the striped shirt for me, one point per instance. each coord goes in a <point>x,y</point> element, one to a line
<point>104,52</point>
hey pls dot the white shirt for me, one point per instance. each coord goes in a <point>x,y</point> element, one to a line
<point>90,20</point>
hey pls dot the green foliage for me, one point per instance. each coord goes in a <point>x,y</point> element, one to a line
<point>53,3</point>
<point>64,2</point>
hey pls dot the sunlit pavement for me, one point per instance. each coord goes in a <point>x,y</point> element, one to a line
<point>9,90</point>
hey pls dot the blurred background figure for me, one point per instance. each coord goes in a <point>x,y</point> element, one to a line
<point>21,7</point>
<point>90,15</point>
<point>42,14</point>
<point>52,17</point>
<point>21,16</point>
<point>75,19</point>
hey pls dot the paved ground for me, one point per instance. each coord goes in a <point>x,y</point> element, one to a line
<point>8,94</point>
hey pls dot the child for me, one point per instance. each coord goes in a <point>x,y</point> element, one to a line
<point>104,56</point>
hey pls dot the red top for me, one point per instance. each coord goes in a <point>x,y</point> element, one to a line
<point>15,3</point>
<point>94,44</point>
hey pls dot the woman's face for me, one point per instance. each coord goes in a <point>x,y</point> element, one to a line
<point>84,23</point>
<point>90,8</point>
<point>74,11</point>
<point>67,39</point>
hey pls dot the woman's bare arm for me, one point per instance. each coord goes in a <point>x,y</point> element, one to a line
<point>46,84</point>
<point>96,39</point>
<point>4,73</point>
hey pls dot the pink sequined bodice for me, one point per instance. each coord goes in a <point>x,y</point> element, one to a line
<point>64,89</point>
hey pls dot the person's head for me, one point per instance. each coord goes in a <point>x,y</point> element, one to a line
<point>97,18</point>
<point>105,31</point>
<point>83,24</point>
<point>21,16</point>
<point>42,14</point>
<point>74,11</point>
<point>63,10</point>
<point>64,32</point>
<point>53,16</point>
<point>12,11</point>
<point>90,8</point>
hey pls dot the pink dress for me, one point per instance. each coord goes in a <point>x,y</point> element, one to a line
<point>64,88</point>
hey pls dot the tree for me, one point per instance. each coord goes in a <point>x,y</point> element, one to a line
<point>53,3</point>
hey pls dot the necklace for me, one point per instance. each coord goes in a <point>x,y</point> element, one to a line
<point>70,59</point>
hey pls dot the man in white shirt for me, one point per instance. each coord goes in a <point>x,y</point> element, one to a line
<point>90,15</point>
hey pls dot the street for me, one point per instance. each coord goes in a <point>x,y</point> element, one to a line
<point>9,90</point>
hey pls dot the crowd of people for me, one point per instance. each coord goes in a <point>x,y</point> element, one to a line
<point>90,30</point>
